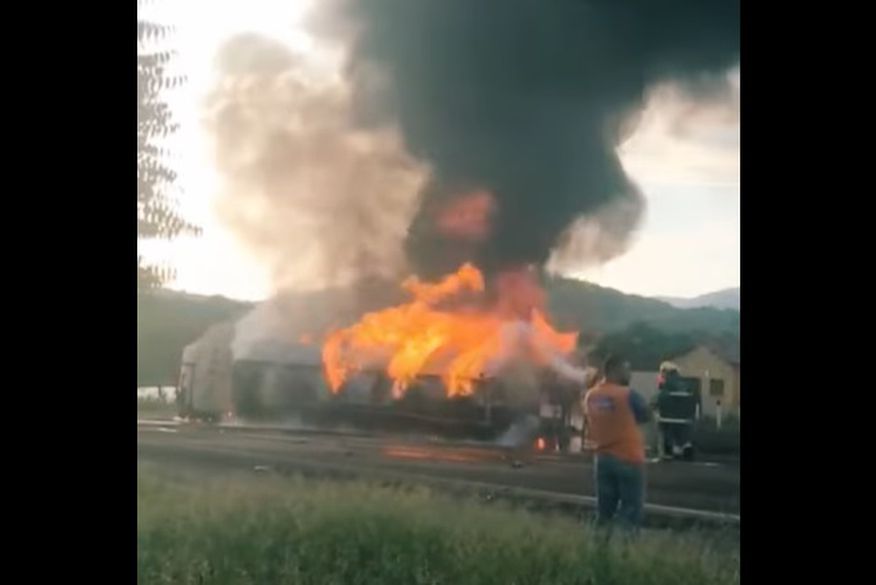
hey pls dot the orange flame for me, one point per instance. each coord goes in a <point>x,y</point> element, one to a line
<point>460,343</point>
<point>467,217</point>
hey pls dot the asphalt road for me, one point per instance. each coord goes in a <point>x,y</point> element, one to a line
<point>706,486</point>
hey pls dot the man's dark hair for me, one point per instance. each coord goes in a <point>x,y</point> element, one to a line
<point>612,365</point>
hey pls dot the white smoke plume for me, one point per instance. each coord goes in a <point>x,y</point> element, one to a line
<point>594,239</point>
<point>322,202</point>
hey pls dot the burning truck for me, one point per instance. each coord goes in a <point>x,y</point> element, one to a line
<point>277,379</point>
<point>451,360</point>
<point>205,376</point>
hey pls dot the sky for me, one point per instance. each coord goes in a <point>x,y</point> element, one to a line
<point>685,158</point>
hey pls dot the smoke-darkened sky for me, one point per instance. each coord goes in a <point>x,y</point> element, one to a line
<point>528,101</point>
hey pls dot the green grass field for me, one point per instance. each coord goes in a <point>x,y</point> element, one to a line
<point>265,529</point>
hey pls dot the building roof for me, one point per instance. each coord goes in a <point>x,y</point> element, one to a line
<point>729,355</point>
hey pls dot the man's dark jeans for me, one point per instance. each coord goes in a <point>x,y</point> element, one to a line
<point>620,491</point>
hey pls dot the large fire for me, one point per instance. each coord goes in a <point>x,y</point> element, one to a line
<point>467,217</point>
<point>450,329</point>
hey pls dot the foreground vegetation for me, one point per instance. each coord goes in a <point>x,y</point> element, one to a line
<point>265,529</point>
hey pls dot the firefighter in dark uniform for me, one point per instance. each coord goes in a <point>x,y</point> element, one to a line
<point>677,408</point>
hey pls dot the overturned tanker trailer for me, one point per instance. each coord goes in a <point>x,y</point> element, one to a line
<point>276,381</point>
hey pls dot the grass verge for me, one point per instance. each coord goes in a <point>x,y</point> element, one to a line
<point>265,529</point>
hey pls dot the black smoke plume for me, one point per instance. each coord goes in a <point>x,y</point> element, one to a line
<point>527,100</point>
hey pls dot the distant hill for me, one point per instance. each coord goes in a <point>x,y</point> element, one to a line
<point>167,321</point>
<point>594,309</point>
<point>727,298</point>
